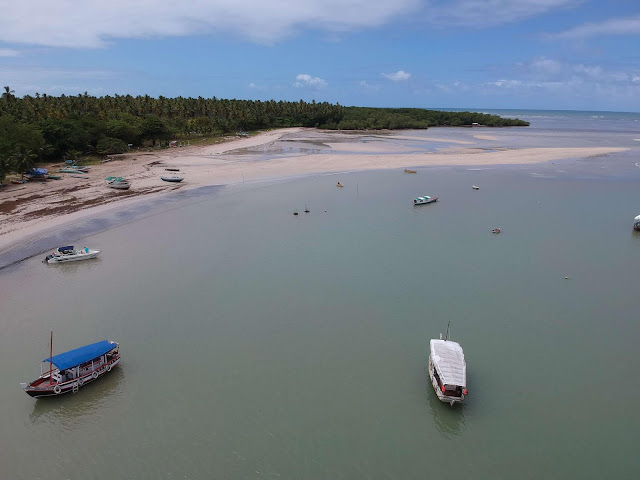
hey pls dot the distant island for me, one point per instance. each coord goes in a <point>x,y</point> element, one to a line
<point>43,128</point>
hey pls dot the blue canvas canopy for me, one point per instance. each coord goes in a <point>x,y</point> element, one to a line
<point>64,249</point>
<point>73,358</point>
<point>38,171</point>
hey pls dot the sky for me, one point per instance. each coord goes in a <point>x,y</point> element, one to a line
<point>480,54</point>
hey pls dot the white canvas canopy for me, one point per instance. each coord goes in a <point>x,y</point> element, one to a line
<point>448,359</point>
<point>637,219</point>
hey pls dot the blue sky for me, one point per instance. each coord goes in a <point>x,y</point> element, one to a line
<point>545,54</point>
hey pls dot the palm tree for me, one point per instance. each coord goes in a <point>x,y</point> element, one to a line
<point>5,167</point>
<point>23,159</point>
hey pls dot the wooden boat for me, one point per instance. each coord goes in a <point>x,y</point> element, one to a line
<point>69,254</point>
<point>172,169</point>
<point>172,178</point>
<point>74,369</point>
<point>424,200</point>
<point>636,223</point>
<point>447,370</point>
<point>55,177</point>
<point>410,171</point>
<point>475,187</point>
<point>496,230</point>
<point>71,170</point>
<point>118,183</point>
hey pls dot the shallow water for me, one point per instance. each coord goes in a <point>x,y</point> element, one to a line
<point>259,344</point>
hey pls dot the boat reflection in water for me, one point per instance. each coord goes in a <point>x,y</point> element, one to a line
<point>450,422</point>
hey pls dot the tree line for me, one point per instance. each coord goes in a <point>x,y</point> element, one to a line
<point>44,128</point>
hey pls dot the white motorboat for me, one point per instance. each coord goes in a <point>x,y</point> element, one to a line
<point>424,200</point>
<point>70,254</point>
<point>447,370</point>
<point>172,178</point>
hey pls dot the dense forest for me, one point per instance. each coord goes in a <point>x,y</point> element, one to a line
<point>43,128</point>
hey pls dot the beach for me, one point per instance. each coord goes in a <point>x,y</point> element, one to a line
<point>28,209</point>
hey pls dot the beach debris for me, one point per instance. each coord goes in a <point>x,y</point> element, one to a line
<point>496,230</point>
<point>475,187</point>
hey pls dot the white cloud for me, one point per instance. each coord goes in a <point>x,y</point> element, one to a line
<point>614,26</point>
<point>8,52</point>
<point>307,81</point>
<point>364,85</point>
<point>488,13</point>
<point>92,23</point>
<point>399,76</point>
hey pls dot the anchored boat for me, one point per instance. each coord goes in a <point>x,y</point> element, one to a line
<point>74,369</point>
<point>424,200</point>
<point>447,370</point>
<point>69,254</point>
<point>636,223</point>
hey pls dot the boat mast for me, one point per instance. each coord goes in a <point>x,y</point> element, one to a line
<point>447,336</point>
<point>50,356</point>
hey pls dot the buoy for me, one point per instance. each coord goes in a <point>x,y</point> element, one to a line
<point>566,278</point>
<point>295,213</point>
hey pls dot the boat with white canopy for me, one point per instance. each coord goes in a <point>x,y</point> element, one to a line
<point>636,223</point>
<point>74,369</point>
<point>424,200</point>
<point>447,370</point>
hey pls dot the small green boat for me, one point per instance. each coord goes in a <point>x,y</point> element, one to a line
<point>55,177</point>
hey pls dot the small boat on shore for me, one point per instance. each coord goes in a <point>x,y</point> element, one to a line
<point>636,223</point>
<point>172,178</point>
<point>172,169</point>
<point>424,200</point>
<point>406,170</point>
<point>74,369</point>
<point>447,370</point>
<point>69,254</point>
<point>118,183</point>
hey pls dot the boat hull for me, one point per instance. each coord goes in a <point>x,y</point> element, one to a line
<point>172,179</point>
<point>71,386</point>
<point>636,227</point>
<point>119,185</point>
<point>420,201</point>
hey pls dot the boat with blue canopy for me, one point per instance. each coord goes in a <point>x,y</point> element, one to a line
<point>71,370</point>
<point>71,254</point>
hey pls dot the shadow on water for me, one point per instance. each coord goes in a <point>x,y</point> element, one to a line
<point>67,410</point>
<point>450,421</point>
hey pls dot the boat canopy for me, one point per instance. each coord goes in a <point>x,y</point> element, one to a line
<point>426,197</point>
<point>637,219</point>
<point>73,358</point>
<point>65,249</point>
<point>38,171</point>
<point>448,358</point>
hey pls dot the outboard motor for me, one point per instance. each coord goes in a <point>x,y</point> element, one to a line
<point>46,259</point>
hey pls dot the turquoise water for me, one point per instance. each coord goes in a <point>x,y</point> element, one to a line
<point>259,344</point>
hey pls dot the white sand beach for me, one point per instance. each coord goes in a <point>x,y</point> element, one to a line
<point>27,209</point>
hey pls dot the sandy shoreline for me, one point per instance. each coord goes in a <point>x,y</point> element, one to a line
<point>29,209</point>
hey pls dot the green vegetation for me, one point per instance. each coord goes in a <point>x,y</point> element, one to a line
<point>46,129</point>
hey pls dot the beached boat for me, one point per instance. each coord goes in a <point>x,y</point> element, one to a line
<point>70,170</point>
<point>172,178</point>
<point>636,223</point>
<point>424,200</point>
<point>69,254</point>
<point>74,369</point>
<point>447,370</point>
<point>54,177</point>
<point>118,183</point>
<point>172,169</point>
<point>406,170</point>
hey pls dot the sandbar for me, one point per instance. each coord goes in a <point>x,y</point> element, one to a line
<point>29,209</point>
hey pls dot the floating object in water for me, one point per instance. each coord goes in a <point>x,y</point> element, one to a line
<point>636,223</point>
<point>424,200</point>
<point>306,210</point>
<point>496,230</point>
<point>406,170</point>
<point>566,278</point>
<point>295,212</point>
<point>475,187</point>
<point>339,185</point>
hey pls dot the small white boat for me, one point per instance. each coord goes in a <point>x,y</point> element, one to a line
<point>118,183</point>
<point>475,187</point>
<point>636,223</point>
<point>447,370</point>
<point>172,178</point>
<point>70,254</point>
<point>424,200</point>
